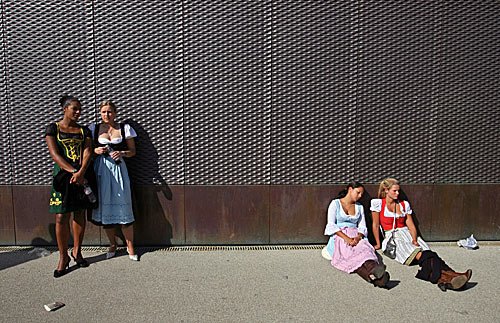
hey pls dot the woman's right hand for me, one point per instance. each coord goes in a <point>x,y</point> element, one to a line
<point>77,178</point>
<point>100,150</point>
<point>377,246</point>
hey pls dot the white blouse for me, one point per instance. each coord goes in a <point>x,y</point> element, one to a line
<point>376,206</point>
<point>337,218</point>
<point>129,133</point>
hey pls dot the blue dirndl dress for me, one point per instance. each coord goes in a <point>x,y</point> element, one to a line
<point>115,195</point>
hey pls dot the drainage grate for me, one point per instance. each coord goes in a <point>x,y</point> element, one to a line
<point>237,248</point>
<point>174,248</point>
<point>208,248</point>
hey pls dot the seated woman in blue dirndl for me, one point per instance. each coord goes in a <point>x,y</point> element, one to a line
<point>348,248</point>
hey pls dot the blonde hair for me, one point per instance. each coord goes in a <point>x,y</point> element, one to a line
<point>107,103</point>
<point>386,184</point>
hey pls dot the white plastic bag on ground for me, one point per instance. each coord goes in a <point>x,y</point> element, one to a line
<point>469,243</point>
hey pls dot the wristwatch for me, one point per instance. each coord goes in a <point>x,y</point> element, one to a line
<point>74,170</point>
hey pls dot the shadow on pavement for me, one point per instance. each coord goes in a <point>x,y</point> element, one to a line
<point>392,284</point>
<point>16,257</point>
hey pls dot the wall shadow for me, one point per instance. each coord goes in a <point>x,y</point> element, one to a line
<point>39,247</point>
<point>404,196</point>
<point>16,257</point>
<point>149,190</point>
<point>365,200</point>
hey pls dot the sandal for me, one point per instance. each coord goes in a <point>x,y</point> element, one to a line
<point>110,254</point>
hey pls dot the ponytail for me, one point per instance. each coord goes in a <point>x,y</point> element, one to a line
<point>352,184</point>
<point>385,185</point>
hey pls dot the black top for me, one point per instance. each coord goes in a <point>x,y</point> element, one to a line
<point>118,147</point>
<point>69,145</point>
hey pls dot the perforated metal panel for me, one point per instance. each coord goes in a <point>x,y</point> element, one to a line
<point>263,92</point>
<point>138,62</point>
<point>46,55</point>
<point>397,91</point>
<point>314,76</point>
<point>468,149</point>
<point>5,157</point>
<point>227,85</point>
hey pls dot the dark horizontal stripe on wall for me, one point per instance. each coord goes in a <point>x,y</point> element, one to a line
<point>252,214</point>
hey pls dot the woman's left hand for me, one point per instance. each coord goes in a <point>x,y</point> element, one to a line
<point>415,243</point>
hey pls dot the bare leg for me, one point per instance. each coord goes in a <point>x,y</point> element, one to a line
<point>110,232</point>
<point>62,237</point>
<point>418,255</point>
<point>128,232</point>
<point>79,223</point>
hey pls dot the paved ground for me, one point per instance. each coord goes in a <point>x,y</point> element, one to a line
<point>240,286</point>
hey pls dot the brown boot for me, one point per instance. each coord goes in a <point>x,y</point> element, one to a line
<point>452,280</point>
<point>374,273</point>
<point>364,273</point>
<point>375,269</point>
<point>467,273</point>
<point>382,282</point>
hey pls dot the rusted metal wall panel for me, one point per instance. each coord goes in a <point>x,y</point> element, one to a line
<point>7,227</point>
<point>457,211</point>
<point>299,213</point>
<point>159,215</point>
<point>179,215</point>
<point>34,224</point>
<point>487,216</point>
<point>421,198</point>
<point>227,214</point>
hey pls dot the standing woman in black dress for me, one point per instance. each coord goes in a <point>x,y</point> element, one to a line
<point>70,146</point>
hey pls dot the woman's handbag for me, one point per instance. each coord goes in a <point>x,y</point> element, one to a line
<point>390,247</point>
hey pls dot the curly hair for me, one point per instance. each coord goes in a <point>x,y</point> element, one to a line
<point>66,100</point>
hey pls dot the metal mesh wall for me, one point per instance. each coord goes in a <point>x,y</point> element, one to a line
<point>397,91</point>
<point>5,157</point>
<point>46,57</point>
<point>262,92</point>
<point>138,64</point>
<point>314,77</point>
<point>227,91</point>
<point>469,100</point>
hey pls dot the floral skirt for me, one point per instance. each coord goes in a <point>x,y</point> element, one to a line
<point>347,258</point>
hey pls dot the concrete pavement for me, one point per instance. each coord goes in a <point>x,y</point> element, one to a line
<point>283,285</point>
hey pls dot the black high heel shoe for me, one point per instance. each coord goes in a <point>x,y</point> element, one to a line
<point>64,271</point>
<point>80,262</point>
